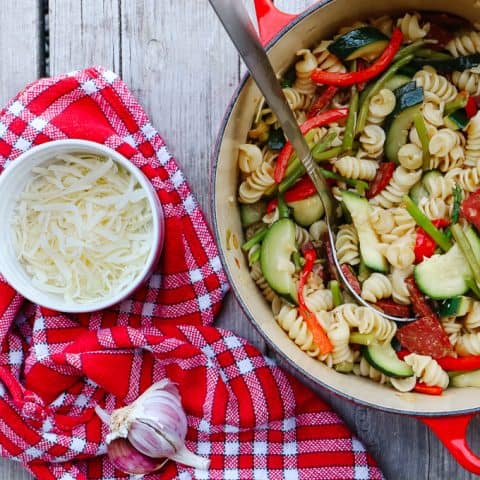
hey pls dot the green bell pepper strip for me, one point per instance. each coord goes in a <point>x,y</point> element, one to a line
<point>466,249</point>
<point>336,293</point>
<point>424,222</point>
<point>283,210</point>
<point>349,134</point>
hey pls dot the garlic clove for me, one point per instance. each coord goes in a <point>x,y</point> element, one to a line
<point>127,459</point>
<point>186,457</point>
<point>150,441</point>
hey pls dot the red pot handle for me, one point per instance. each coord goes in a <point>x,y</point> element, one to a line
<point>452,433</point>
<point>270,19</point>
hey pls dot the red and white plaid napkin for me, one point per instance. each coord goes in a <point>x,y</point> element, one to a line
<point>250,418</point>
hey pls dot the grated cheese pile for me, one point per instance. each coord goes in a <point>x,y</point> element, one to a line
<point>82,227</point>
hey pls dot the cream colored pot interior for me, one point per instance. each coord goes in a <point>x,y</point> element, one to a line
<point>320,24</point>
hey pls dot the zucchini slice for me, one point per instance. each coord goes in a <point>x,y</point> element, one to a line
<point>384,358</point>
<point>456,120</point>
<point>277,248</point>
<point>307,211</point>
<point>456,306</point>
<point>467,379</point>
<point>366,42</point>
<point>251,213</point>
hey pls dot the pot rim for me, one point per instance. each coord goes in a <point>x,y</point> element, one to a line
<point>285,358</point>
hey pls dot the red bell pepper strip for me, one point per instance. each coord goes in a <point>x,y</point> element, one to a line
<point>303,189</point>
<point>319,336</point>
<point>322,101</point>
<point>471,208</point>
<point>425,245</point>
<point>382,179</point>
<point>319,121</point>
<point>471,107</point>
<point>428,390</point>
<point>460,364</point>
<point>401,354</point>
<point>323,77</point>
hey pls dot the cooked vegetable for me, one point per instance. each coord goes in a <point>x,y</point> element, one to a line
<point>256,238</point>
<point>276,139</point>
<point>384,358</point>
<point>428,389</point>
<point>307,211</point>
<point>336,293</point>
<point>360,209</point>
<point>363,42</point>
<point>445,66</point>
<point>409,102</point>
<point>456,120</point>
<point>460,364</point>
<point>318,121</point>
<point>382,179</point>
<point>251,213</point>
<point>322,101</point>
<point>469,379</point>
<point>456,306</point>
<point>425,246</point>
<point>349,133</point>
<point>421,128</point>
<point>277,248</point>
<point>470,208</point>
<point>323,77</point>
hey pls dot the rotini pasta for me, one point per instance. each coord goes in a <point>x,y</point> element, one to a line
<point>472,147</point>
<point>439,186</point>
<point>257,275</point>
<point>302,236</point>
<point>381,105</point>
<point>356,168</point>
<point>434,83</point>
<point>446,150</point>
<point>383,23</point>
<point>256,184</point>
<point>410,156</point>
<point>364,369</point>
<point>400,184</point>
<point>250,157</point>
<point>304,68</point>
<point>468,81</point>
<point>465,44</point>
<point>400,253</point>
<point>434,208</point>
<point>472,319</point>
<point>427,369</point>
<point>400,293</point>
<point>376,287</point>
<point>468,344</point>
<point>452,328</point>
<point>319,300</point>
<point>467,178</point>
<point>347,245</point>
<point>372,140</point>
<point>411,29</point>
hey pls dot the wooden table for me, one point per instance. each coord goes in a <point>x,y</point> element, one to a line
<point>178,62</point>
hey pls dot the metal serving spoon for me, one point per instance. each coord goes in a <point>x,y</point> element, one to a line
<point>237,23</point>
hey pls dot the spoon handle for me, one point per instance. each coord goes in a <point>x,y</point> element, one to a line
<point>237,23</point>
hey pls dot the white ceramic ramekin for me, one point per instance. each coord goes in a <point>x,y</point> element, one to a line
<point>13,181</point>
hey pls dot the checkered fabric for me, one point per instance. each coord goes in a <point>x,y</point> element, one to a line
<point>250,418</point>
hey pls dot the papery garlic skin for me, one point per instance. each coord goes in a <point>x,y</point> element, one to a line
<point>155,425</point>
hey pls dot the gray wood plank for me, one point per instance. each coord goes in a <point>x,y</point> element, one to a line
<point>183,69</point>
<point>21,60</point>
<point>83,34</point>
<point>20,55</point>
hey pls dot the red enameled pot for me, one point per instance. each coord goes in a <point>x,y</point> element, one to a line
<point>447,415</point>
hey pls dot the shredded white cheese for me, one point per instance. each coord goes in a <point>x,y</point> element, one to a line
<point>82,227</point>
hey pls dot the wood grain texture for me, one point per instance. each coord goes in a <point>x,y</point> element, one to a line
<point>20,52</point>
<point>179,63</point>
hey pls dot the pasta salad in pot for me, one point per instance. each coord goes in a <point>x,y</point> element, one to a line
<point>389,107</point>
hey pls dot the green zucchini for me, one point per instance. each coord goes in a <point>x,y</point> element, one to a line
<point>409,103</point>
<point>252,213</point>
<point>359,209</point>
<point>397,81</point>
<point>456,306</point>
<point>307,211</point>
<point>363,42</point>
<point>467,379</point>
<point>418,192</point>
<point>277,249</point>
<point>456,120</point>
<point>445,66</point>
<point>460,101</point>
<point>384,358</point>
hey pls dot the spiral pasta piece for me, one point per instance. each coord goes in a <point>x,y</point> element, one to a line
<point>434,208</point>
<point>411,29</point>
<point>410,156</point>
<point>400,253</point>
<point>452,328</point>
<point>296,99</point>
<point>372,140</point>
<point>403,225</point>
<point>250,157</point>
<point>271,217</point>
<point>319,300</point>
<point>468,344</point>
<point>304,68</point>
<point>472,147</point>
<point>347,245</point>
<point>293,324</point>
<point>468,81</point>
<point>428,370</point>
<point>376,287</point>
<point>381,105</point>
<point>472,319</point>
<point>413,134</point>
<point>356,168</point>
<point>318,230</point>
<point>433,113</point>
<point>366,321</point>
<point>256,184</point>
<point>467,178</point>
<point>364,369</point>
<point>269,156</point>
<point>400,293</point>
<point>302,236</point>
<point>400,184</point>
<point>257,275</point>
<point>446,150</point>
<point>338,333</point>
<point>381,220</point>
<point>439,186</point>
<point>465,44</point>
<point>434,83</point>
